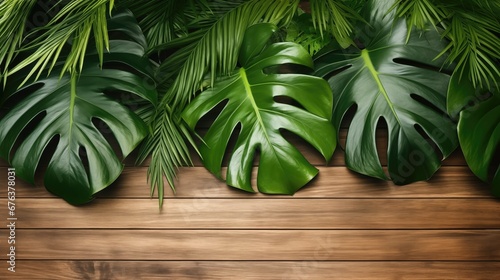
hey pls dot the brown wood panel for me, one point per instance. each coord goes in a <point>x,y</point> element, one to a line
<point>332,182</point>
<point>258,245</point>
<point>58,270</point>
<point>261,214</point>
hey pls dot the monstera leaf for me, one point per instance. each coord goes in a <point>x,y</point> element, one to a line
<point>64,108</point>
<point>251,94</point>
<point>398,81</point>
<point>479,134</point>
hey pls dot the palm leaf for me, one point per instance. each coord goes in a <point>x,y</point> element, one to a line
<point>217,51</point>
<point>74,23</point>
<point>472,28</point>
<point>335,17</point>
<point>13,17</point>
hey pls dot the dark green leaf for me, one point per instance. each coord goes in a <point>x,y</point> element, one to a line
<point>398,82</point>
<point>479,134</point>
<point>67,107</point>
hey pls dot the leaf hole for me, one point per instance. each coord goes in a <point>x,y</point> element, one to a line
<point>82,154</point>
<point>28,129</point>
<point>418,64</point>
<point>287,100</point>
<point>45,158</point>
<point>307,150</point>
<point>382,141</point>
<point>209,118</point>
<point>428,104</point>
<point>14,99</point>
<point>108,134</point>
<point>345,124</point>
<point>494,165</point>
<point>231,144</point>
<point>427,138</point>
<point>336,72</point>
<point>287,68</point>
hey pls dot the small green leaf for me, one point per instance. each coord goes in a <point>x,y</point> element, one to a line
<point>250,93</point>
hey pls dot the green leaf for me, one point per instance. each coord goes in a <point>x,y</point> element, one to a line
<point>461,93</point>
<point>479,134</point>
<point>250,93</point>
<point>64,109</point>
<point>395,81</point>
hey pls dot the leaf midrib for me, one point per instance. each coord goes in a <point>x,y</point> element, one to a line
<point>72,103</point>
<point>248,91</point>
<point>365,55</point>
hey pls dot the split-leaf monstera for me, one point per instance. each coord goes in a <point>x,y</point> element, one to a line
<point>398,80</point>
<point>65,107</point>
<point>479,134</point>
<point>250,93</point>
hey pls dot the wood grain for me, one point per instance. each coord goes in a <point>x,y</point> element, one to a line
<point>258,245</point>
<point>261,214</point>
<point>332,182</point>
<point>211,270</point>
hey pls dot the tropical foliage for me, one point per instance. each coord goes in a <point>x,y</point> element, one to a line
<point>413,66</point>
<point>395,81</point>
<point>64,109</point>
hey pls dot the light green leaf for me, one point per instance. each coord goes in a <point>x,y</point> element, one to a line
<point>250,93</point>
<point>399,82</point>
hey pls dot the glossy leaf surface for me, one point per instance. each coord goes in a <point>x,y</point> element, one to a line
<point>250,93</point>
<point>392,80</point>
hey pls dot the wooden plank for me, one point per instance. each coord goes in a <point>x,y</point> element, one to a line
<point>261,214</point>
<point>258,245</point>
<point>332,182</point>
<point>59,270</point>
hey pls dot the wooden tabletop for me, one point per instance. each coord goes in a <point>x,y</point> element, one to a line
<point>341,226</point>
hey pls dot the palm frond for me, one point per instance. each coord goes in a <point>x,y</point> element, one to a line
<point>419,13</point>
<point>217,51</point>
<point>74,23</point>
<point>474,45</point>
<point>471,26</point>
<point>168,151</point>
<point>162,21</point>
<point>13,18</point>
<point>335,17</point>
